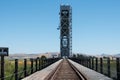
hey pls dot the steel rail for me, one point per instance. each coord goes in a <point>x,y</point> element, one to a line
<point>53,75</point>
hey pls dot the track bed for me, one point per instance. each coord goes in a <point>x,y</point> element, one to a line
<point>66,71</point>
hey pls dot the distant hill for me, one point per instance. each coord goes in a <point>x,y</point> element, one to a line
<point>23,56</point>
<point>108,55</point>
<point>105,55</point>
<point>117,55</point>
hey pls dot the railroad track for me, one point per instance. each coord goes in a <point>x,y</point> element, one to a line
<point>66,71</point>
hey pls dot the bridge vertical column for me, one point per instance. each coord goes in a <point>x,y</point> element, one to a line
<point>25,67</point>
<point>93,63</point>
<point>90,63</point>
<point>36,64</point>
<point>96,64</point>
<point>108,66</point>
<point>2,68</point>
<point>118,68</point>
<point>101,65</point>
<point>31,65</point>
<point>39,64</point>
<point>16,69</point>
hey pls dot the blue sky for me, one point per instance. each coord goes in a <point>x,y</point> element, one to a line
<point>30,26</point>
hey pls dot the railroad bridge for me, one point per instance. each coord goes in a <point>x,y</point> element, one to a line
<point>66,67</point>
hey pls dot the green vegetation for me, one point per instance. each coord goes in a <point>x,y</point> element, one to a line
<point>10,69</point>
<point>112,68</point>
<point>43,57</point>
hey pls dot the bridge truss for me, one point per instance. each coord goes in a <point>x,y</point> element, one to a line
<point>65,30</point>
